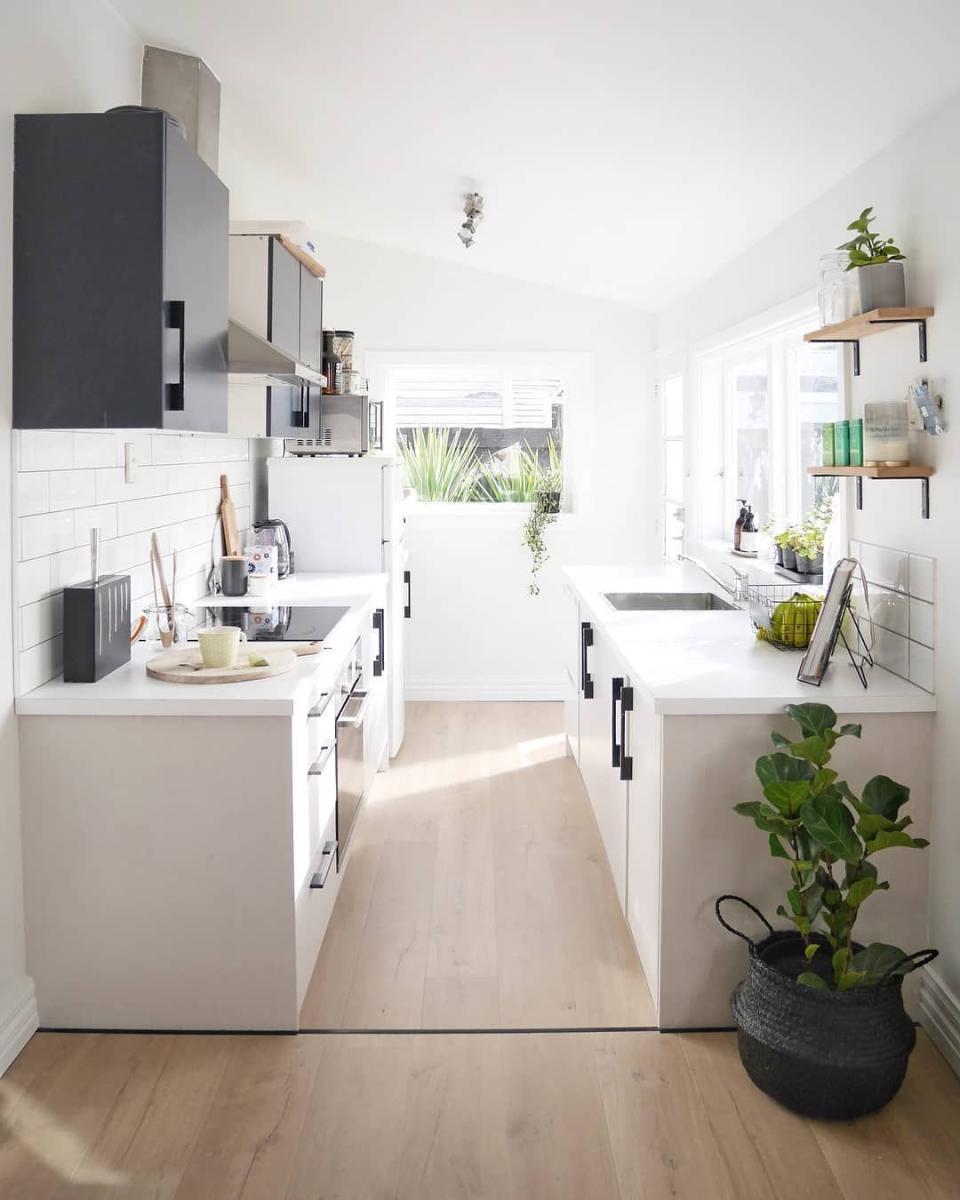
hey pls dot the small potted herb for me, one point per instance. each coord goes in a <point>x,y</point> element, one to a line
<point>809,551</point>
<point>781,541</point>
<point>878,263</point>
<point>820,1018</point>
<point>788,550</point>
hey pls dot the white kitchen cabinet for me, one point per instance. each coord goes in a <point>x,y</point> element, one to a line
<point>644,842</point>
<point>599,752</point>
<point>571,667</point>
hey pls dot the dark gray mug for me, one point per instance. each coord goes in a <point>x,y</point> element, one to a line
<point>233,575</point>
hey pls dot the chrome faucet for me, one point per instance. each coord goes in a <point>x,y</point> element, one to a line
<point>741,579</point>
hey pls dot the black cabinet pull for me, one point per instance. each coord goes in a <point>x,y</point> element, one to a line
<point>615,693</point>
<point>586,639</point>
<point>176,319</point>
<point>378,662</point>
<point>328,857</point>
<point>408,606</point>
<point>626,760</point>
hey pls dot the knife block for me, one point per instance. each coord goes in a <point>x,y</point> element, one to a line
<point>96,628</point>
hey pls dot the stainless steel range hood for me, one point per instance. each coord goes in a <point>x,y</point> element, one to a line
<point>254,360</point>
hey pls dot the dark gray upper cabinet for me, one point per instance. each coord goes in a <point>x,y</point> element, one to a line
<point>273,295</point>
<point>311,319</point>
<point>119,276</point>
<point>293,412</point>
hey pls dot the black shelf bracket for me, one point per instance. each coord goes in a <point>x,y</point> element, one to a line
<point>924,492</point>
<point>920,322</point>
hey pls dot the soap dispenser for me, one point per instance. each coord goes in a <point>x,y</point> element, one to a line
<point>738,524</point>
<point>749,534</point>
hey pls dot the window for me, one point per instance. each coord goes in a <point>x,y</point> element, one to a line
<point>671,397</point>
<point>471,433</point>
<point>763,402</point>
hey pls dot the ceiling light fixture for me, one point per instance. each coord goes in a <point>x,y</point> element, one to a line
<point>473,207</point>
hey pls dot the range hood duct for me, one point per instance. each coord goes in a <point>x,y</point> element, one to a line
<point>186,88</point>
<point>253,359</point>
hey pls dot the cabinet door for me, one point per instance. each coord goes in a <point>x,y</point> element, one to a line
<point>293,412</point>
<point>195,270</point>
<point>283,326</point>
<point>599,758</point>
<point>311,319</point>
<point>571,668</point>
<point>643,842</point>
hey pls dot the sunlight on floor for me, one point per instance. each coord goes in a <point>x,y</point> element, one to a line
<point>50,1141</point>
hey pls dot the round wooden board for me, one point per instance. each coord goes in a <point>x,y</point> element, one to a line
<point>186,666</point>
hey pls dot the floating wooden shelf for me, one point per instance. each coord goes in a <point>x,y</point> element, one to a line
<point>913,471</point>
<point>878,320</point>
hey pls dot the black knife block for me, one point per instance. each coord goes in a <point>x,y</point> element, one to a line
<point>96,628</point>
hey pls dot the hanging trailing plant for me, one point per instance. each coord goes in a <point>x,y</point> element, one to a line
<point>546,507</point>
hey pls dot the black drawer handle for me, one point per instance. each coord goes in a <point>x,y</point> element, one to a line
<point>615,691</point>
<point>626,760</point>
<point>408,606</point>
<point>317,767</point>
<point>327,858</point>
<point>586,639</point>
<point>378,662</point>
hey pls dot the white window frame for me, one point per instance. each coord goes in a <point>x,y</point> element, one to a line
<point>774,336</point>
<point>575,368</point>
<point>667,371</point>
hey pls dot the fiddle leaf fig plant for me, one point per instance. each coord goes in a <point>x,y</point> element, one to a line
<point>829,837</point>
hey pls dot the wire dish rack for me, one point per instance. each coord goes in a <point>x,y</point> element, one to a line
<point>783,615</point>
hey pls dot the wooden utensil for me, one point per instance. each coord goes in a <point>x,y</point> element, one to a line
<point>228,517</point>
<point>186,666</point>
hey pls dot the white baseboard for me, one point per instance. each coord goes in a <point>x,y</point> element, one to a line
<point>940,1016</point>
<point>18,1018</point>
<point>506,689</point>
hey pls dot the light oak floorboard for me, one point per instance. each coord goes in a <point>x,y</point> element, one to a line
<point>477,893</point>
<point>555,1116</point>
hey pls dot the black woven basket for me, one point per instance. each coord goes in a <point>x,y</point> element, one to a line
<point>820,1053</point>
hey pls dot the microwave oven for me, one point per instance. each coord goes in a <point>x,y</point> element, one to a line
<point>348,425</point>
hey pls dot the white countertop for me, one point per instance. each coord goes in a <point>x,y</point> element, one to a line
<point>692,663</point>
<point>130,692</point>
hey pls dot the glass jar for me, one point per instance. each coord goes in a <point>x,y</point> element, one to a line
<point>163,634</point>
<point>837,288</point>
<point>886,434</point>
<point>343,347</point>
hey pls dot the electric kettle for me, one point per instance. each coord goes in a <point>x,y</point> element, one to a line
<point>275,533</point>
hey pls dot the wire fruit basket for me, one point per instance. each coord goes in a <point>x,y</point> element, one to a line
<point>782,615</point>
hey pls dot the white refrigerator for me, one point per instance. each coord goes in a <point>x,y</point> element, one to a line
<point>344,515</point>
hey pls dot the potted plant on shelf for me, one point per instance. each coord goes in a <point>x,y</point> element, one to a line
<point>878,263</point>
<point>809,550</point>
<point>820,1017</point>
<point>781,541</point>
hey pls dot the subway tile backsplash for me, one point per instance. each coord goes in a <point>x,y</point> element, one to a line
<point>902,605</point>
<point>68,482</point>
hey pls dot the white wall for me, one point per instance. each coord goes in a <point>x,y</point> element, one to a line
<point>55,55</point>
<point>476,631</point>
<point>913,185</point>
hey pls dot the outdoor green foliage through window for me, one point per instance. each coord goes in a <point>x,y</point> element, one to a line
<point>830,838</point>
<point>445,465</point>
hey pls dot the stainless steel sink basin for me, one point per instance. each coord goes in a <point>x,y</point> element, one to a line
<point>668,602</point>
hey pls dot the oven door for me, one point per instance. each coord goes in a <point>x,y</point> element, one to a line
<point>350,772</point>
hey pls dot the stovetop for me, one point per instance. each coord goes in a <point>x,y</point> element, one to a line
<point>273,623</point>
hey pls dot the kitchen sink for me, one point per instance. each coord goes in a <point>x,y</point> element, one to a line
<point>668,602</point>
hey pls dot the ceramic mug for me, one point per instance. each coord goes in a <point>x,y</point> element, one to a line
<point>218,647</point>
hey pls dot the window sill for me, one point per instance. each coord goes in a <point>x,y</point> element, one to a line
<point>425,515</point>
<point>716,553</point>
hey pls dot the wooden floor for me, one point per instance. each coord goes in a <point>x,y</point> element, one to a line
<point>477,893</point>
<point>553,1116</point>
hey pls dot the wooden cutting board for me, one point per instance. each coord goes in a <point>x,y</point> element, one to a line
<point>228,516</point>
<point>186,666</point>
<point>301,648</point>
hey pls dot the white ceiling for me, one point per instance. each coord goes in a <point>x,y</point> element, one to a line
<point>626,148</point>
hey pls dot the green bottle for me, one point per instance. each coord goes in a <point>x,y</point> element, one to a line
<point>827,452</point>
<point>856,443</point>
<point>841,444</point>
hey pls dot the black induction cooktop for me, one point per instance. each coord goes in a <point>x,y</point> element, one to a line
<point>272,623</point>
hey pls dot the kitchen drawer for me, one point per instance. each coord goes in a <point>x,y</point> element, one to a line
<point>321,795</point>
<point>321,725</point>
<point>315,902</point>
